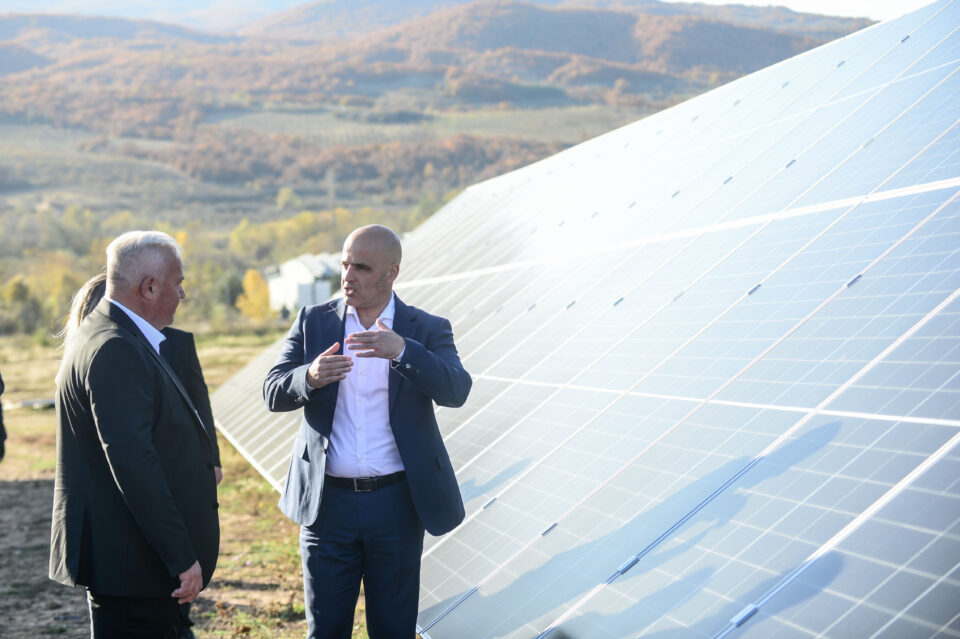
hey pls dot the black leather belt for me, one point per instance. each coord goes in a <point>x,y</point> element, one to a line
<point>365,484</point>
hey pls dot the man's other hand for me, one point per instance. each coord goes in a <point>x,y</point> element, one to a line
<point>191,580</point>
<point>382,343</point>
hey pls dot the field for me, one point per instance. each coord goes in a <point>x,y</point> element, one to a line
<point>257,589</point>
<point>332,127</point>
<point>54,169</point>
<point>57,173</point>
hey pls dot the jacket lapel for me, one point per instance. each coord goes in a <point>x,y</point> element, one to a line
<point>333,324</point>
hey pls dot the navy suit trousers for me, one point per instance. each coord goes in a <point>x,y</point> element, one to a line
<point>372,536</point>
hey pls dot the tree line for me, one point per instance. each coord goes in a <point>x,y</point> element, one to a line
<point>49,253</point>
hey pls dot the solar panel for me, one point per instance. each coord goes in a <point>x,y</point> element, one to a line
<point>716,361</point>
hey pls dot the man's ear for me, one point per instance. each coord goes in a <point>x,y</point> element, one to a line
<point>148,288</point>
<point>393,271</point>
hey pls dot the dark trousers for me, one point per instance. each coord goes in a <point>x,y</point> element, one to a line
<point>372,536</point>
<point>132,617</point>
<point>185,621</point>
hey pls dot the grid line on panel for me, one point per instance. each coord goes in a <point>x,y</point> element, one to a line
<point>839,536</point>
<point>933,421</point>
<point>706,401</point>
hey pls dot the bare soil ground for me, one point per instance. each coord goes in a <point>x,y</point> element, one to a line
<point>257,590</point>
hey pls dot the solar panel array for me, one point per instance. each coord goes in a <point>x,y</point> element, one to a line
<point>716,362</point>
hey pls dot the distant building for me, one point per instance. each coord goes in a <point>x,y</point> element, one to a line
<point>304,280</point>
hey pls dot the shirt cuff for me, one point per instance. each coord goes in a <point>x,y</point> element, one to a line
<point>306,380</point>
<point>396,360</point>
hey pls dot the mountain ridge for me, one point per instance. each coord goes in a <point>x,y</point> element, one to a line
<point>338,20</point>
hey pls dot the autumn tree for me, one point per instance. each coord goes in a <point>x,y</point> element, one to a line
<point>254,301</point>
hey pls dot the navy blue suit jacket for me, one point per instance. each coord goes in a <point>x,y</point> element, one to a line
<point>429,371</point>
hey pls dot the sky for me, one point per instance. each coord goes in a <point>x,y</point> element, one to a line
<point>873,9</point>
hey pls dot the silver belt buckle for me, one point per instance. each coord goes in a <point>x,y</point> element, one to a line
<point>356,485</point>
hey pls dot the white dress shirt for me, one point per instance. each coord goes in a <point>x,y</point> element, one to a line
<point>362,443</point>
<point>153,335</point>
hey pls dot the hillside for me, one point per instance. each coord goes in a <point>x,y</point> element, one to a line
<point>340,19</point>
<point>58,29</point>
<point>675,44</point>
<point>14,59</point>
<point>327,20</point>
<point>142,79</point>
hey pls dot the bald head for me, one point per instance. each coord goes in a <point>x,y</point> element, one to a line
<point>380,239</point>
<point>368,267</point>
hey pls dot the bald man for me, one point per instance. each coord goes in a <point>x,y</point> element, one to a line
<point>369,471</point>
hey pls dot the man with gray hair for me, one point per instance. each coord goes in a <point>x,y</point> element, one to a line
<point>135,503</point>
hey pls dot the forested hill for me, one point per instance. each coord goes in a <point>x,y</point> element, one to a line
<point>144,78</point>
<point>47,29</point>
<point>499,32</point>
<point>348,19</point>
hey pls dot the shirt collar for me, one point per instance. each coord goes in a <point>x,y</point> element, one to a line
<point>386,314</point>
<point>153,335</point>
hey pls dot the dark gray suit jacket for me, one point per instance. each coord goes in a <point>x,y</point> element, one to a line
<point>135,498</point>
<point>430,371</point>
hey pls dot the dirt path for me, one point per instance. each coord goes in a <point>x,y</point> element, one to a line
<point>31,605</point>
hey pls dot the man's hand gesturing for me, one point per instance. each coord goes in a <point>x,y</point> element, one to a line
<point>328,368</point>
<point>382,343</point>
